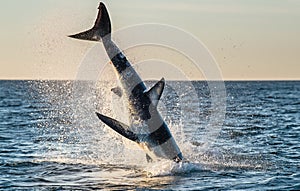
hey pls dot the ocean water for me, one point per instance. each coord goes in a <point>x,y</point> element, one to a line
<point>51,139</point>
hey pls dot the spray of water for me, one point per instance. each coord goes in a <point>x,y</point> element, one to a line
<point>195,114</point>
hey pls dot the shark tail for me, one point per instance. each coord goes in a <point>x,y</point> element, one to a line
<point>101,28</point>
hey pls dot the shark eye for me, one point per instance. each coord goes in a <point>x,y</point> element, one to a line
<point>121,56</point>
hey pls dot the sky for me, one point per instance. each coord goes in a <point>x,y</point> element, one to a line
<point>250,40</point>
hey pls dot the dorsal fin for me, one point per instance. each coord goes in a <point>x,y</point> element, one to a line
<point>156,91</point>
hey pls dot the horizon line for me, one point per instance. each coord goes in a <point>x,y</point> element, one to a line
<point>229,79</point>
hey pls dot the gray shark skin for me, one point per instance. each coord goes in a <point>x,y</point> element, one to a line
<point>157,141</point>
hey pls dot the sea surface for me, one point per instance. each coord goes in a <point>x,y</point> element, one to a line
<point>51,139</point>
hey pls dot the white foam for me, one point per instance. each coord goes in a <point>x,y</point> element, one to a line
<point>167,168</point>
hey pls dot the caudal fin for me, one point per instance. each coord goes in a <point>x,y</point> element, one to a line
<point>101,28</point>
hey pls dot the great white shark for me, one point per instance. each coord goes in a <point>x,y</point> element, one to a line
<point>156,139</point>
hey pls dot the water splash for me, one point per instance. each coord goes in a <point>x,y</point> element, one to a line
<point>69,132</point>
<point>168,168</point>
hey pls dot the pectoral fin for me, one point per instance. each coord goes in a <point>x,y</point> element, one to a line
<point>119,127</point>
<point>156,91</point>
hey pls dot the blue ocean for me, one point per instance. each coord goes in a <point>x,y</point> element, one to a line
<point>51,138</point>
